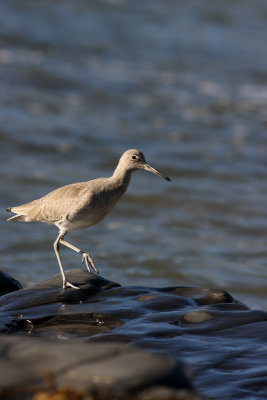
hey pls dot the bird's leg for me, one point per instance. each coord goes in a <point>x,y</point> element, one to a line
<point>85,256</point>
<point>66,283</point>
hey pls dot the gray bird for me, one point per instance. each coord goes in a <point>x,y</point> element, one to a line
<point>79,205</point>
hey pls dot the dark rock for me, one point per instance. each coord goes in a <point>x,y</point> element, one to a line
<point>220,338</point>
<point>51,291</point>
<point>115,366</point>
<point>8,283</point>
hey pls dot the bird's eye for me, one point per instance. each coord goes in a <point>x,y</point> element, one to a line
<point>133,157</point>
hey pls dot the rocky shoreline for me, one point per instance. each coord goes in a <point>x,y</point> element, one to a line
<point>150,343</point>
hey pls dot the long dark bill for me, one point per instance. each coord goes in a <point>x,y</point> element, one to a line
<point>148,168</point>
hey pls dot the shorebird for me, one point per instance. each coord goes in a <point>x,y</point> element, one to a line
<point>79,205</point>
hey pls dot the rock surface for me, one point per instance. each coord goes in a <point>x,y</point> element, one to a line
<point>84,365</point>
<point>219,338</point>
<point>8,283</point>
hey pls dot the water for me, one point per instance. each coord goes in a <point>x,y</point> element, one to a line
<point>186,83</point>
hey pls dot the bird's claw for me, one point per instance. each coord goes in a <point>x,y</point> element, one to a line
<point>88,261</point>
<point>68,284</point>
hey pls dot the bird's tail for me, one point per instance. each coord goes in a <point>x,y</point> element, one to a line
<point>17,217</point>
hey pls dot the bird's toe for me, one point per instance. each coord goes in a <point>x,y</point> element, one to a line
<point>67,284</point>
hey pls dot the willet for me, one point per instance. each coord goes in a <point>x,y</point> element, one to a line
<point>79,205</point>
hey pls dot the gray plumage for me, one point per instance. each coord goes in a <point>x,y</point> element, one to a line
<point>79,205</point>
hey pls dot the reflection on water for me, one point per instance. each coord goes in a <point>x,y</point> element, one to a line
<point>187,84</point>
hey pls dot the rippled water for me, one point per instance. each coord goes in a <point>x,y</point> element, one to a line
<point>185,82</point>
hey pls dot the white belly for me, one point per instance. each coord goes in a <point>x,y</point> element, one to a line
<point>85,218</point>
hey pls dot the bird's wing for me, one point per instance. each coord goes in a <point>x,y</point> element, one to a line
<point>55,205</point>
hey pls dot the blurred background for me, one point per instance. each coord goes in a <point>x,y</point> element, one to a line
<point>183,81</point>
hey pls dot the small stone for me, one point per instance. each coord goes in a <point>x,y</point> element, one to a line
<point>196,317</point>
<point>146,297</point>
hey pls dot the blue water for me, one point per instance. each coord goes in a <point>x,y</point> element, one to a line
<point>186,83</point>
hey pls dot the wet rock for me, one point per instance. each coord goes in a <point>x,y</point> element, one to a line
<point>8,283</point>
<point>113,366</point>
<point>51,291</point>
<point>218,337</point>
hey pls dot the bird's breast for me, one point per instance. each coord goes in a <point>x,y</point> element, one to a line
<point>93,211</point>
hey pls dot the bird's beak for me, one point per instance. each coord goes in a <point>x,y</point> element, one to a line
<point>148,168</point>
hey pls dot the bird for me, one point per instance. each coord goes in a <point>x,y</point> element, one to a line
<point>80,205</point>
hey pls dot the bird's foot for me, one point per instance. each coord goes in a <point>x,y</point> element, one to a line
<point>88,261</point>
<point>68,284</point>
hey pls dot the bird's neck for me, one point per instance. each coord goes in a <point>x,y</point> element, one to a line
<point>121,177</point>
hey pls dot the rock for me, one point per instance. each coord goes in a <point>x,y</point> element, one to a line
<point>218,337</point>
<point>8,283</point>
<point>51,291</point>
<point>114,366</point>
<point>164,393</point>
